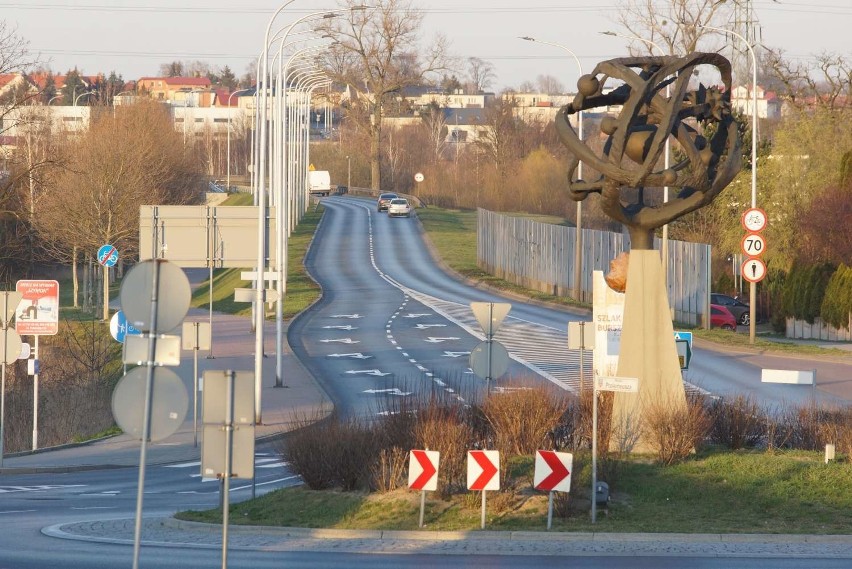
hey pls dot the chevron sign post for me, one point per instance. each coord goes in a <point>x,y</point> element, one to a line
<point>483,467</point>
<point>552,474</point>
<point>423,474</point>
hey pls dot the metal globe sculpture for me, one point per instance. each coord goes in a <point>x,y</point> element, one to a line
<point>698,120</point>
<point>659,101</point>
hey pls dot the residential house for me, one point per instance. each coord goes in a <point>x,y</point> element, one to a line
<point>177,90</point>
<point>768,104</point>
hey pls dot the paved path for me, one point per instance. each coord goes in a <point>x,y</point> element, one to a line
<point>168,531</point>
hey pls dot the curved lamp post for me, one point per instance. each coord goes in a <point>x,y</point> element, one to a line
<point>752,288</point>
<point>578,243</point>
<point>77,98</point>
<point>228,151</point>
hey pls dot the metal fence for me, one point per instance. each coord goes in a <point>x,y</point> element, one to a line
<point>540,256</point>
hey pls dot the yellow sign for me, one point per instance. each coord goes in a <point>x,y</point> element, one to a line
<point>311,168</point>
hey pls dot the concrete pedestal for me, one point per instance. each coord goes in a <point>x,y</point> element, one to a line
<point>647,347</point>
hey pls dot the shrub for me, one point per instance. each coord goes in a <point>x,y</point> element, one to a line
<point>674,430</point>
<point>837,302</point>
<point>523,417</point>
<point>332,453</point>
<point>445,428</point>
<point>388,471</point>
<point>736,423</point>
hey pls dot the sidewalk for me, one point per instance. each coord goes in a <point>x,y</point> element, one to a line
<point>168,531</point>
<point>282,410</point>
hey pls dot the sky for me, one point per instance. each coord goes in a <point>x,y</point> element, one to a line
<point>134,37</point>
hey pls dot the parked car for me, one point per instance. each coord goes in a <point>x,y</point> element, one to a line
<point>399,207</point>
<point>721,317</point>
<point>384,201</point>
<point>738,308</point>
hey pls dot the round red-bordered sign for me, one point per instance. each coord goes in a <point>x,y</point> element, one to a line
<point>753,270</point>
<point>754,220</point>
<point>753,245</point>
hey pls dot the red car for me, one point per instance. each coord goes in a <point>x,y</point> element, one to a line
<point>721,317</point>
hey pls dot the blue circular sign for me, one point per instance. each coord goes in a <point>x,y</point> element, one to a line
<point>119,327</point>
<point>108,255</point>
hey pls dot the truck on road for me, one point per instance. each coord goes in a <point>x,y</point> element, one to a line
<point>319,183</point>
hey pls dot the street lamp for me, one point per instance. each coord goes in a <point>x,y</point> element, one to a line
<point>185,104</point>
<point>752,288</point>
<point>77,98</point>
<point>54,98</point>
<point>664,249</point>
<point>114,97</point>
<point>578,243</point>
<point>348,173</point>
<point>228,152</point>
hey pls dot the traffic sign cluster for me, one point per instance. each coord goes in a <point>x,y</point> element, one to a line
<point>753,245</point>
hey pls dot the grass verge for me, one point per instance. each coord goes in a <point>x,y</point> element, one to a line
<point>453,234</point>
<point>302,291</point>
<point>714,492</point>
<point>726,338</point>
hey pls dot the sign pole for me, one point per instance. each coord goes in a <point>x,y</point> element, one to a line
<point>229,445</point>
<point>146,415</point>
<point>482,524</point>
<point>5,322</point>
<point>594,450</point>
<point>422,506</point>
<point>211,248</point>
<point>3,403</point>
<point>195,325</point>
<point>35,393</point>
<point>549,509</point>
<point>582,349</point>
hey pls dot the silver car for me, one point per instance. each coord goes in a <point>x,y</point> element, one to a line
<point>399,207</point>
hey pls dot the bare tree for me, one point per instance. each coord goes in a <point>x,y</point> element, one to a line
<point>549,84</point>
<point>673,24</point>
<point>480,74</point>
<point>119,164</point>
<point>376,54</point>
<point>829,84</point>
<point>19,177</point>
<point>435,124</point>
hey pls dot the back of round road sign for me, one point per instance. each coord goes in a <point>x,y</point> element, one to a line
<point>169,402</point>
<point>173,296</point>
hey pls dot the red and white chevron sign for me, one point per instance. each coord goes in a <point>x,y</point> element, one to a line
<point>423,470</point>
<point>482,469</point>
<point>553,471</point>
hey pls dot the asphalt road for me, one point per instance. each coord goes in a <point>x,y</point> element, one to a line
<point>392,322</point>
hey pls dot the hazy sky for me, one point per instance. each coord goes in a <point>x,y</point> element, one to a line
<point>133,37</point>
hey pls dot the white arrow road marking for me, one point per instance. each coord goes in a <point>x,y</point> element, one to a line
<point>347,327</point>
<point>434,340</point>
<point>39,488</point>
<point>375,372</point>
<point>455,354</point>
<point>356,355</point>
<point>346,316</point>
<point>342,341</point>
<point>424,326</point>
<point>183,464</point>
<point>410,315</point>
<point>394,391</point>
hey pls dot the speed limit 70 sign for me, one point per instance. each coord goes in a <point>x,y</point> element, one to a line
<point>753,244</point>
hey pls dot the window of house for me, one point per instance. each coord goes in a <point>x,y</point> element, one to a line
<point>220,120</point>
<point>199,120</point>
<point>178,119</point>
